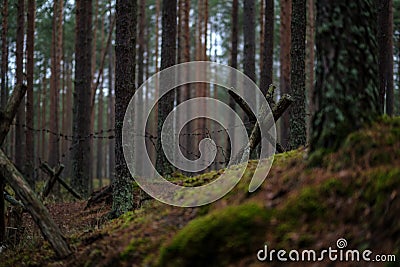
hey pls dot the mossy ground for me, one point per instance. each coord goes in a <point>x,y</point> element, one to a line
<point>352,193</point>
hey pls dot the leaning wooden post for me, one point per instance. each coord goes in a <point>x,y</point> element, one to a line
<point>6,117</point>
<point>39,213</point>
<point>9,173</point>
<point>51,181</point>
<point>56,175</point>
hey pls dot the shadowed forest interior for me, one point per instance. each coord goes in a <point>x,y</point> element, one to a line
<point>329,71</point>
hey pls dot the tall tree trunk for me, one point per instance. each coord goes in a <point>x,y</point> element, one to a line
<point>100,118</point>
<point>54,144</point>
<point>20,120</point>
<point>284,58</point>
<point>140,62</point>
<point>3,102</point>
<point>82,97</point>
<point>385,60</point>
<point>4,53</point>
<point>111,110</point>
<point>67,112</point>
<point>297,112</point>
<point>125,54</point>
<point>44,112</point>
<point>268,50</point>
<point>30,41</point>
<point>249,39</point>
<point>168,59</point>
<point>310,63</point>
<point>262,38</point>
<point>344,28</point>
<point>233,64</point>
<point>249,49</point>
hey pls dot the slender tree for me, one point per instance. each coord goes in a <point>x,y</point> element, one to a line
<point>4,63</point>
<point>268,50</point>
<point>30,41</point>
<point>4,53</point>
<point>284,58</point>
<point>168,58</point>
<point>111,109</point>
<point>298,129</point>
<point>310,58</point>
<point>82,97</point>
<point>125,53</point>
<point>20,119</point>
<point>385,59</point>
<point>347,94</point>
<point>140,62</point>
<point>249,39</point>
<point>233,61</point>
<point>56,54</point>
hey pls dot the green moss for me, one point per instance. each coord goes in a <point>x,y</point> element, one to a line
<point>135,247</point>
<point>217,238</point>
<point>380,185</point>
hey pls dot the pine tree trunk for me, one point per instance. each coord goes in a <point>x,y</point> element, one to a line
<point>44,113</point>
<point>168,58</point>
<point>249,51</point>
<point>266,78</point>
<point>20,119</point>
<point>111,110</point>
<point>310,63</point>
<point>4,53</point>
<point>385,60</point>
<point>344,28</point>
<point>54,144</point>
<point>82,98</point>
<point>140,61</point>
<point>285,44</point>
<point>100,118</point>
<point>234,64</point>
<point>29,165</point>
<point>3,102</point>
<point>125,53</point>
<point>297,112</point>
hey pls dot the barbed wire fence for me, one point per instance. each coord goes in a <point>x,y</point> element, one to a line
<point>221,160</point>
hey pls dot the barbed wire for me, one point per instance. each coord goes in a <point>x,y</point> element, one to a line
<point>109,134</point>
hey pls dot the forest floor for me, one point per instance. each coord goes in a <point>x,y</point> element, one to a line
<point>305,203</point>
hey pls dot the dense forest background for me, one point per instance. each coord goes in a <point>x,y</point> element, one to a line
<point>82,61</point>
<point>38,48</point>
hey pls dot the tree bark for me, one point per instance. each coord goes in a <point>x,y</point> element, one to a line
<point>310,58</point>
<point>111,110</point>
<point>266,78</point>
<point>346,97</point>
<point>4,53</point>
<point>82,98</point>
<point>20,120</point>
<point>284,57</point>
<point>125,53</point>
<point>297,112</point>
<point>234,64</point>
<point>385,59</point>
<point>54,144</point>
<point>30,41</point>
<point>168,59</point>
